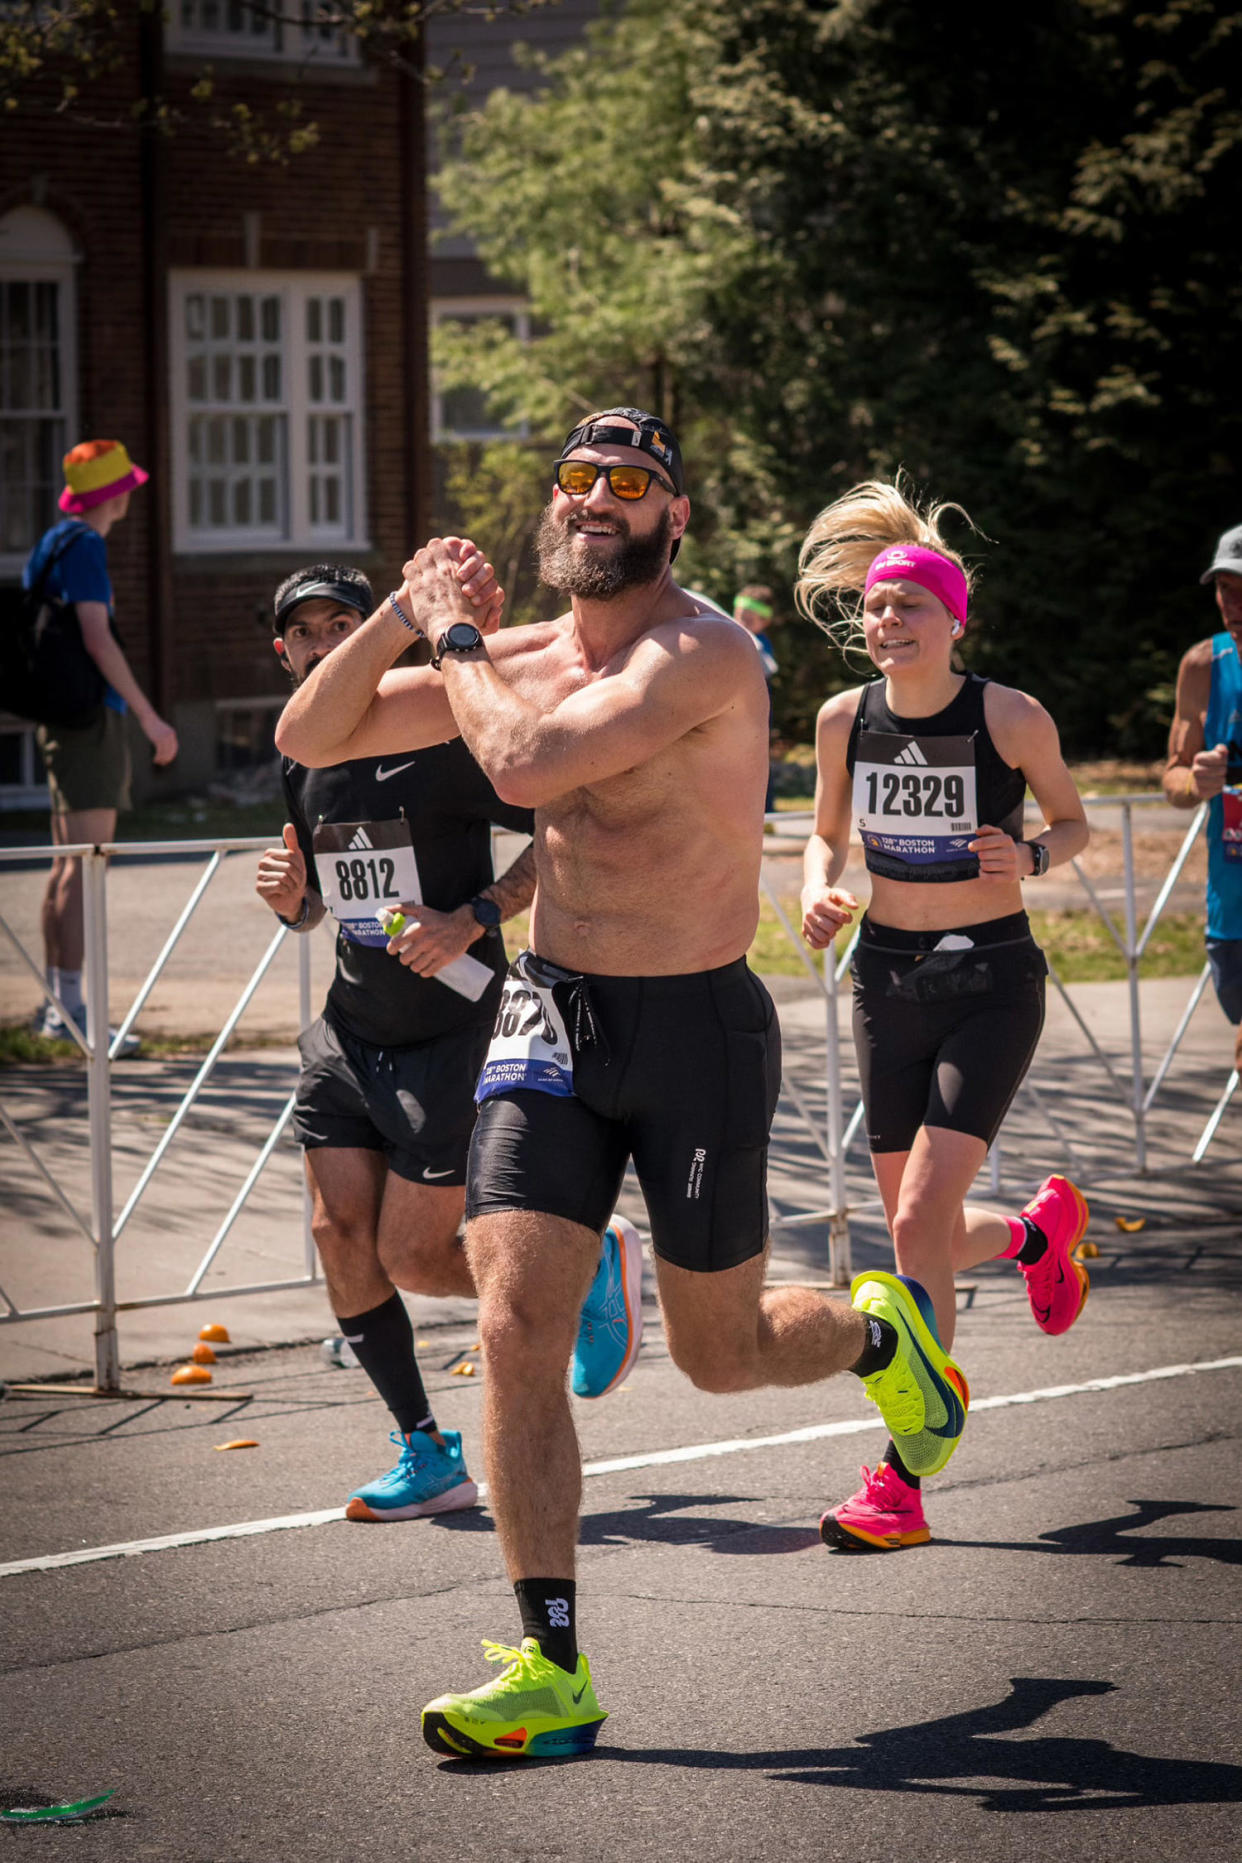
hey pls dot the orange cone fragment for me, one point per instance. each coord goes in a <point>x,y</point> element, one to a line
<point>203,1354</point>
<point>191,1374</point>
<point>218,1335</point>
<point>241,1442</point>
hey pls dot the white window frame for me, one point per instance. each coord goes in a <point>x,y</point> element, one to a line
<point>38,249</point>
<point>445,310</point>
<point>298,532</point>
<point>285,41</point>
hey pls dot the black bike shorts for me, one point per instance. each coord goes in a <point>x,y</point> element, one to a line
<point>682,1076</point>
<point>415,1104</point>
<point>944,1038</point>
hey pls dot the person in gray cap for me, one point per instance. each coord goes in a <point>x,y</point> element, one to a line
<point>635,725</point>
<point>1205,765</point>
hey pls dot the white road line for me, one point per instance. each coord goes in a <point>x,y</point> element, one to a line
<point>659,1458</point>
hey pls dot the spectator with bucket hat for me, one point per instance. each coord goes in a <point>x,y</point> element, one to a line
<point>88,765</point>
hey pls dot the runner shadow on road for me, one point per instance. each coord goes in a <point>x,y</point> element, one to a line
<point>662,1519</point>
<point>952,1755</point>
<point>1114,1538</point>
<point>659,1519</point>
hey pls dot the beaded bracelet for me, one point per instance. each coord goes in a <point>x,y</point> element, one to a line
<point>395,605</point>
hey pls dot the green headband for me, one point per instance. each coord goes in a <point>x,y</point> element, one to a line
<point>747,602</point>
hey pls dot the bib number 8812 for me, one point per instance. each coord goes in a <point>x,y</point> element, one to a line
<point>360,880</point>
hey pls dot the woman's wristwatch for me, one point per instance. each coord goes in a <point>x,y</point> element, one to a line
<point>1040,856</point>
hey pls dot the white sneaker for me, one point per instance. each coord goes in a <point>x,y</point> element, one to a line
<point>337,1351</point>
<point>52,1028</point>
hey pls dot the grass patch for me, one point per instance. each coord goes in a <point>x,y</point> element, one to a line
<point>163,821</point>
<point>1077,942</point>
<point>1082,948</point>
<point>19,1044</point>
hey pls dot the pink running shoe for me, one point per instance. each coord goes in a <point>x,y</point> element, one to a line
<point>1056,1285</point>
<point>885,1515</point>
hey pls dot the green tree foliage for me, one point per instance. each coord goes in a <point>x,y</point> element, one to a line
<point>588,198</point>
<point>1004,246</point>
<point>995,246</point>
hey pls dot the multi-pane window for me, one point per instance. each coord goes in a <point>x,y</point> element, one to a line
<point>36,376</point>
<point>296,29</point>
<point>266,406</point>
<point>464,413</point>
<point>329,427</point>
<point>236,427</point>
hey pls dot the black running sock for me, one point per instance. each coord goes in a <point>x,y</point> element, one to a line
<point>898,1466</point>
<point>383,1340</point>
<point>879,1349</point>
<point>547,1607</point>
<point>1036,1245</point>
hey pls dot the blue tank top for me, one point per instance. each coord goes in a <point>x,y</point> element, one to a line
<point>1223,725</point>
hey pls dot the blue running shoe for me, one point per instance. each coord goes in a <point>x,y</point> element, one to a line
<point>611,1328</point>
<point>428,1479</point>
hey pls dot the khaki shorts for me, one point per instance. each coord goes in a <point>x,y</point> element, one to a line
<point>87,769</point>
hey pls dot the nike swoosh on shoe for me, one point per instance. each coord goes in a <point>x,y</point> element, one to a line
<point>955,1417</point>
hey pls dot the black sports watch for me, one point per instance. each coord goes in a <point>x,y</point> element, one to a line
<point>486,911</point>
<point>460,637</point>
<point>1041,857</point>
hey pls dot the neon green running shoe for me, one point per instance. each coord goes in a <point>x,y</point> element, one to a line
<point>922,1393</point>
<point>532,1710</point>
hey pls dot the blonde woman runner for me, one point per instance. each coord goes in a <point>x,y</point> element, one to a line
<point>932,765</point>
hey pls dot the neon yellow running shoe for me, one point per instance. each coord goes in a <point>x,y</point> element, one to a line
<point>532,1710</point>
<point>921,1393</point>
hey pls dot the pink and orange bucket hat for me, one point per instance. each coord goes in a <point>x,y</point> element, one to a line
<point>95,471</point>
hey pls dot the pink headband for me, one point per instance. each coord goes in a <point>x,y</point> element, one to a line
<point>910,562</point>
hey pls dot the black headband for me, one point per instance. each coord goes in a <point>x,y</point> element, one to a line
<point>646,434</point>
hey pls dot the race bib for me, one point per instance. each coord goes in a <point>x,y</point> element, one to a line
<point>364,866</point>
<point>529,1045</point>
<point>914,798</point>
<point>1231,823</point>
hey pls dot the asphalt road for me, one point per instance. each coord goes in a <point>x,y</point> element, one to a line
<point>1055,1675</point>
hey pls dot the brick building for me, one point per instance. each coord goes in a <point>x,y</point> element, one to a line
<point>255,334</point>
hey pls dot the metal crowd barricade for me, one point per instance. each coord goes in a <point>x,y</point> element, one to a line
<point>834,1135</point>
<point>105,1227</point>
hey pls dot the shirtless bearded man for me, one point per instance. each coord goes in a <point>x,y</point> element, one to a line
<point>635,725</point>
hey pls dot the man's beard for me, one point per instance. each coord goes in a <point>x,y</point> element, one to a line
<point>299,679</point>
<point>597,574</point>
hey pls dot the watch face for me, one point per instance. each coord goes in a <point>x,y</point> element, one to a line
<point>486,911</point>
<point>462,635</point>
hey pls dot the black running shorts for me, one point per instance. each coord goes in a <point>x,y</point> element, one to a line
<point>682,1078</point>
<point>415,1104</point>
<point>944,1038</point>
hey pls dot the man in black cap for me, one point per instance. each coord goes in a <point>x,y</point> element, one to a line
<point>1205,765</point>
<point>385,1101</point>
<point>636,726</point>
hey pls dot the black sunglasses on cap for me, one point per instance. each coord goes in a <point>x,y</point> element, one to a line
<point>577,476</point>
